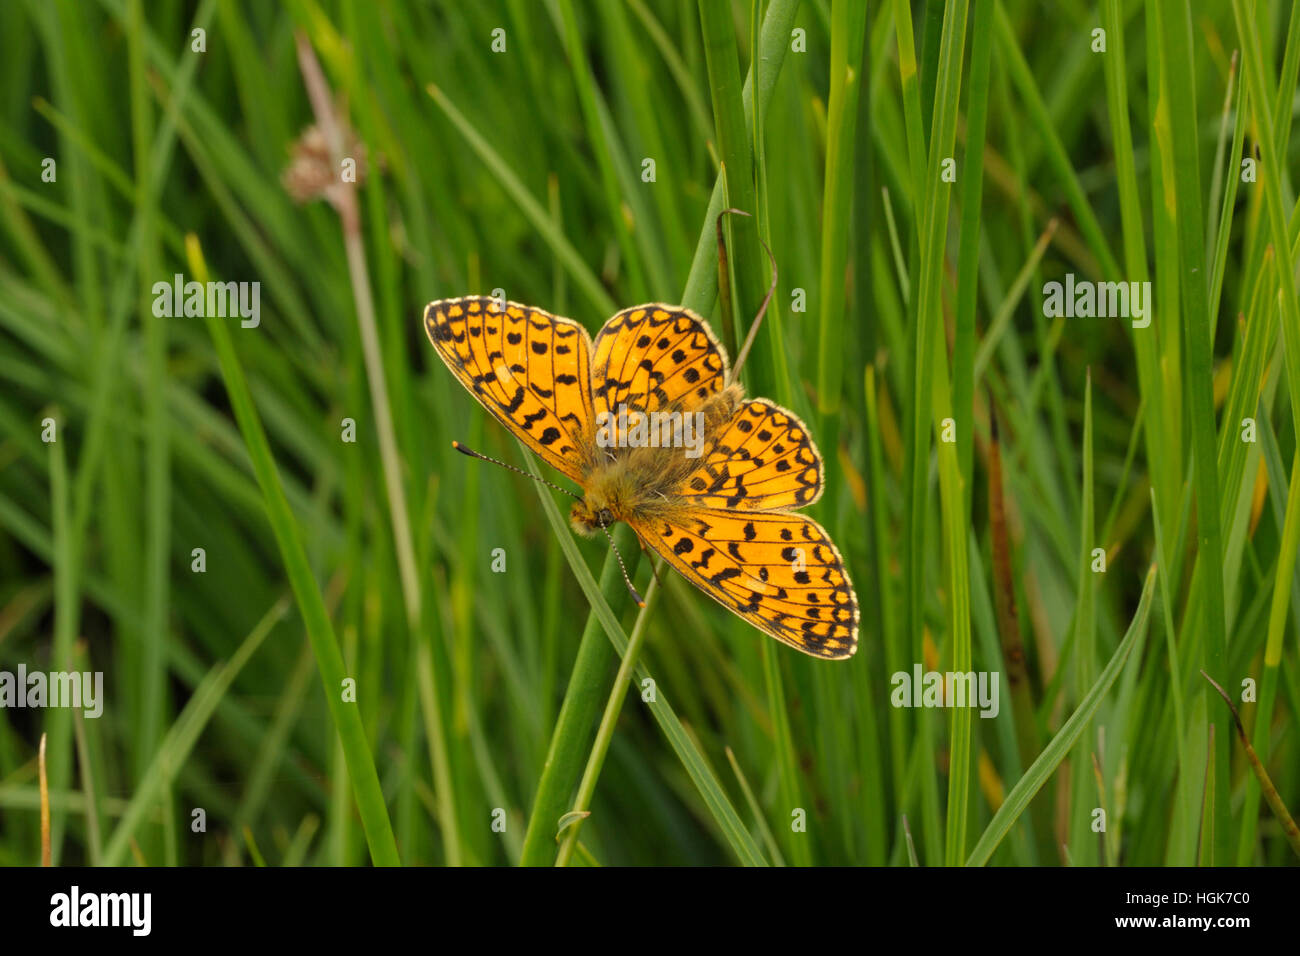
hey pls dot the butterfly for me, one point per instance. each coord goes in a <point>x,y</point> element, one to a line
<point>647,422</point>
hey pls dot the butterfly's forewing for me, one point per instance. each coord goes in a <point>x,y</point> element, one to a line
<point>655,357</point>
<point>529,368</point>
<point>780,572</point>
<point>762,460</point>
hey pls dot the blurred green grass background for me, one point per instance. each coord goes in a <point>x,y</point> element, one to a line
<point>904,298</point>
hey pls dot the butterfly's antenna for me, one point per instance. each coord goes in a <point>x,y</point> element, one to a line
<point>473,454</point>
<point>469,451</point>
<point>762,309</point>
<point>622,567</point>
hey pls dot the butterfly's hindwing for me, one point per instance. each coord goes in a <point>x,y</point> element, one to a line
<point>762,460</point>
<point>780,572</point>
<point>529,368</point>
<point>655,357</point>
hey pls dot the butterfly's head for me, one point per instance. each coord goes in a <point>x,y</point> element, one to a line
<point>588,516</point>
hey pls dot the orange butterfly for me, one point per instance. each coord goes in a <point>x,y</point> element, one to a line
<point>646,421</point>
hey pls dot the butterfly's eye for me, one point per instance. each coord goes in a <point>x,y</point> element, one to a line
<point>605,517</point>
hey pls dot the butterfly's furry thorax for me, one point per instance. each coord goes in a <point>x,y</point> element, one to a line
<point>642,482</point>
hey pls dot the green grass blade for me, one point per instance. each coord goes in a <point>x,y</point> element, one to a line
<point>1019,796</point>
<point>329,659</point>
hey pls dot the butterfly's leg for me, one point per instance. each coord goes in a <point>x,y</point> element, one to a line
<point>651,558</point>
